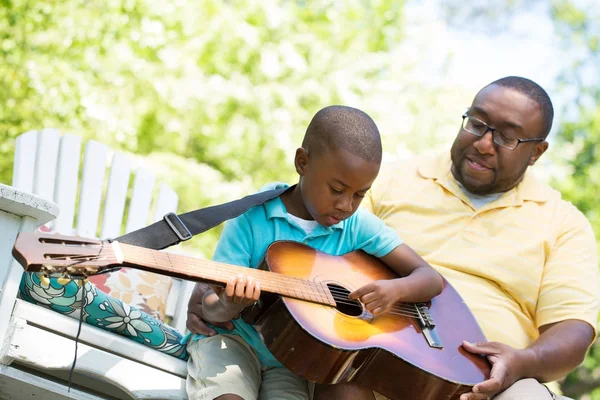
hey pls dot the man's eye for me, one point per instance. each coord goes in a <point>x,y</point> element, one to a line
<point>505,137</point>
<point>361,195</point>
<point>335,190</point>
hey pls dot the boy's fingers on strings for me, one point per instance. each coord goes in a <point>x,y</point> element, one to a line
<point>378,310</point>
<point>373,305</point>
<point>250,289</point>
<point>360,292</point>
<point>255,294</point>
<point>240,289</point>
<point>243,290</point>
<point>230,288</point>
<point>369,298</point>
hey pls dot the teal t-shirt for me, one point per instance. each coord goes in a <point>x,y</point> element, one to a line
<point>245,240</point>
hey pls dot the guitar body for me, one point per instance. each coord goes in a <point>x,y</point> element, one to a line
<point>388,353</point>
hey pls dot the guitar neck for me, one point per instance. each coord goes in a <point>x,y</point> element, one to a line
<point>195,269</point>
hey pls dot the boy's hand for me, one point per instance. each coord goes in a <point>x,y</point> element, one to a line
<point>240,292</point>
<point>196,323</point>
<point>379,296</point>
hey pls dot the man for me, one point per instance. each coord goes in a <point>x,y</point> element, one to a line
<point>524,260</point>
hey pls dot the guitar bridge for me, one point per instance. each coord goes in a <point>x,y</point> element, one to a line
<point>427,325</point>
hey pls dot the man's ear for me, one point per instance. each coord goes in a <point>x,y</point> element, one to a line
<point>300,160</point>
<point>539,149</point>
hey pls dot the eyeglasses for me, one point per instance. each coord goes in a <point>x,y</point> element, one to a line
<point>479,128</point>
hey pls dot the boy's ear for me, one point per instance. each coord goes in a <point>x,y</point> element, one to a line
<point>300,160</point>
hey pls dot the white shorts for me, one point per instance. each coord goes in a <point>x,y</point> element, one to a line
<point>226,364</point>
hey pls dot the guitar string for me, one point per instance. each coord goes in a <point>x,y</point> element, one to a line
<point>403,310</point>
<point>191,268</point>
<point>336,295</point>
<point>401,307</point>
<point>341,299</point>
<point>304,282</point>
<point>394,311</point>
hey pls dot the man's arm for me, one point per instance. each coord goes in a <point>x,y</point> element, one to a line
<point>557,351</point>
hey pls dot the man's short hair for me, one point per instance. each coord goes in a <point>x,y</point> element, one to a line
<point>535,92</point>
<point>342,127</point>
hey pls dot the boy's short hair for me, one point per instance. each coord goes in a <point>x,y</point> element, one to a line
<point>342,127</point>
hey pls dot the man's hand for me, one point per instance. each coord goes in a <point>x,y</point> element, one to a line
<point>379,296</point>
<point>196,324</point>
<point>507,366</point>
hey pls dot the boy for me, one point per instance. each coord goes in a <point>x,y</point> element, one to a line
<point>337,163</point>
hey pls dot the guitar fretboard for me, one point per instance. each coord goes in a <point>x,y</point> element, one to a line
<point>219,273</point>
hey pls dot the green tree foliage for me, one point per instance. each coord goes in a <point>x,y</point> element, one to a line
<point>226,85</point>
<point>579,136</point>
<point>214,96</point>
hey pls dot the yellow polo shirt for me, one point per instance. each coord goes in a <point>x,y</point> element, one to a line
<point>524,260</point>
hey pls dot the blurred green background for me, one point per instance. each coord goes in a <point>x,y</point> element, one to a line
<point>215,96</point>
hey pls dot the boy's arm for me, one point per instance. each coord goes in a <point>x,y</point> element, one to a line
<point>234,247</point>
<point>418,282</point>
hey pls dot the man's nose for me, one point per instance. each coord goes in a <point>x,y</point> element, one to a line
<point>485,144</point>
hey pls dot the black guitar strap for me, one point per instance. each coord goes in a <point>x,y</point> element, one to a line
<point>173,228</point>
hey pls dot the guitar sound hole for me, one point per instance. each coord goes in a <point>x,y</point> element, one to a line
<point>343,304</point>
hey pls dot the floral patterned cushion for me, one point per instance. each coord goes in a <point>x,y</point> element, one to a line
<point>66,296</point>
<point>145,290</point>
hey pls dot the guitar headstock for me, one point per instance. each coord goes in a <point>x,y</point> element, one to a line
<point>65,256</point>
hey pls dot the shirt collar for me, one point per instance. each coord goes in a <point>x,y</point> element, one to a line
<point>438,168</point>
<point>276,209</point>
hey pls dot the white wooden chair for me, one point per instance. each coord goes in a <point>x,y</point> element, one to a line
<point>41,342</point>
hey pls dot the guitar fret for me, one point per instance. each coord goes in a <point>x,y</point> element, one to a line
<point>211,271</point>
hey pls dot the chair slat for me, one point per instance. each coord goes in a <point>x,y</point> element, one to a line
<point>24,164</point>
<point>67,177</point>
<point>45,163</point>
<point>116,195</point>
<point>92,184</point>
<point>141,198</point>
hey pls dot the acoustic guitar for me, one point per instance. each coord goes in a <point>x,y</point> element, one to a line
<point>308,322</point>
